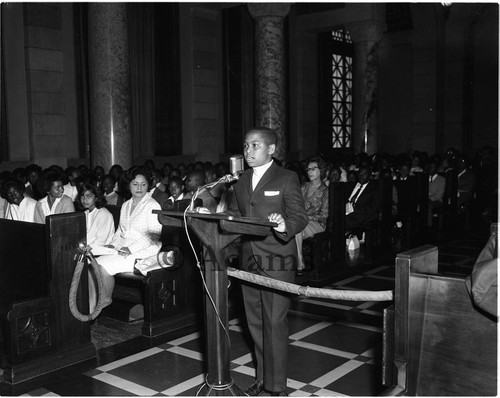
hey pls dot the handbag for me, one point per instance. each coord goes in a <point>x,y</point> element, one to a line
<point>352,243</point>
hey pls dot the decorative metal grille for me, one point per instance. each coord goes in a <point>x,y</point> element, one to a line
<point>341,93</point>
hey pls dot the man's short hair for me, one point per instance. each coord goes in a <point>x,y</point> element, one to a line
<point>269,135</point>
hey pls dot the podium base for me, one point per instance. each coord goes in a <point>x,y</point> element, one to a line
<point>220,390</point>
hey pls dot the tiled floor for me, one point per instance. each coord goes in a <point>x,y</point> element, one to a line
<point>335,347</point>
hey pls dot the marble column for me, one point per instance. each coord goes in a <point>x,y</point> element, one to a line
<point>365,36</point>
<point>270,69</point>
<point>109,81</point>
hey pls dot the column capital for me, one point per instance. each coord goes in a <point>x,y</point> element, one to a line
<point>259,10</point>
<point>366,31</point>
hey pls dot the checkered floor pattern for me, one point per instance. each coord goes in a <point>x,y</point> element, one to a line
<point>335,347</point>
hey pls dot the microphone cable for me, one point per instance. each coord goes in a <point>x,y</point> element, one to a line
<point>198,264</point>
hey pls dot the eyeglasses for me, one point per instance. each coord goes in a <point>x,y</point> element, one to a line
<point>312,168</point>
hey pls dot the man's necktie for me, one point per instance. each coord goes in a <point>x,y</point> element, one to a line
<point>356,193</point>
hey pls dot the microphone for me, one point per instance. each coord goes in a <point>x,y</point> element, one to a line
<point>236,165</point>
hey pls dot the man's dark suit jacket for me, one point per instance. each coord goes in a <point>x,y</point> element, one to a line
<point>273,255</point>
<point>278,191</point>
<point>466,185</point>
<point>366,208</point>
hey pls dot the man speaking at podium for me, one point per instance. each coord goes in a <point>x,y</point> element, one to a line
<point>267,191</point>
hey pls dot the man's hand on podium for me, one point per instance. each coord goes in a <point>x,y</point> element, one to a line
<point>278,219</point>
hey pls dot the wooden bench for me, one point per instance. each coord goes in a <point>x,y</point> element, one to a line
<point>436,342</point>
<point>39,332</point>
<point>164,299</point>
<point>415,225</point>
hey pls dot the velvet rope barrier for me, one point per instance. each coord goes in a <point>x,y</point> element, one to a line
<point>73,291</point>
<point>351,295</point>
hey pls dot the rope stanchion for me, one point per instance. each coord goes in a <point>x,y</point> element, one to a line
<point>351,295</point>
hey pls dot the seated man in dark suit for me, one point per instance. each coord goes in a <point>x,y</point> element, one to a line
<point>466,183</point>
<point>363,204</point>
<point>406,189</point>
<point>437,186</point>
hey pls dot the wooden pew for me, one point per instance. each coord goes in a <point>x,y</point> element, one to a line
<point>435,341</point>
<point>416,225</point>
<point>378,234</point>
<point>38,330</point>
<point>164,299</point>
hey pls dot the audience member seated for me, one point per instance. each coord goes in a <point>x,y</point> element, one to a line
<point>315,194</point>
<point>416,164</point>
<point>194,187</point>
<point>120,181</point>
<point>21,174</point>
<point>165,177</point>
<point>150,165</point>
<point>363,204</point>
<point>100,228</point>
<point>55,202</point>
<point>351,176</point>
<point>70,189</point>
<point>137,236</point>
<point>487,183</point>
<point>466,183</point>
<point>335,175</point>
<point>406,189</point>
<point>437,185</point>
<point>108,187</point>
<point>156,193</point>
<point>176,190</point>
<point>98,175</point>
<point>32,188</point>
<point>19,207</point>
<point>182,169</point>
<point>4,177</point>
<point>100,224</point>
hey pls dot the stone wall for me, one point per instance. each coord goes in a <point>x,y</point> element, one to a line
<point>204,131</point>
<point>42,120</point>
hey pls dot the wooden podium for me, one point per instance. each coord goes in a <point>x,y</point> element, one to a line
<point>216,232</point>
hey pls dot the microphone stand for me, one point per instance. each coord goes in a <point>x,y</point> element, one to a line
<point>228,178</point>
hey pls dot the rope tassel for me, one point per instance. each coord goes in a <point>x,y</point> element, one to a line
<point>351,295</point>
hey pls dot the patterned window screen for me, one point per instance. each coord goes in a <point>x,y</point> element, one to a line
<point>341,70</point>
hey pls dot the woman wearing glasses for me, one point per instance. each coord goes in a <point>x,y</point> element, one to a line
<point>315,194</point>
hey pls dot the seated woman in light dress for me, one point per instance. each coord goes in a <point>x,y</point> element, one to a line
<point>55,202</point>
<point>100,227</point>
<point>100,224</point>
<point>19,207</point>
<point>138,234</point>
<point>315,194</point>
